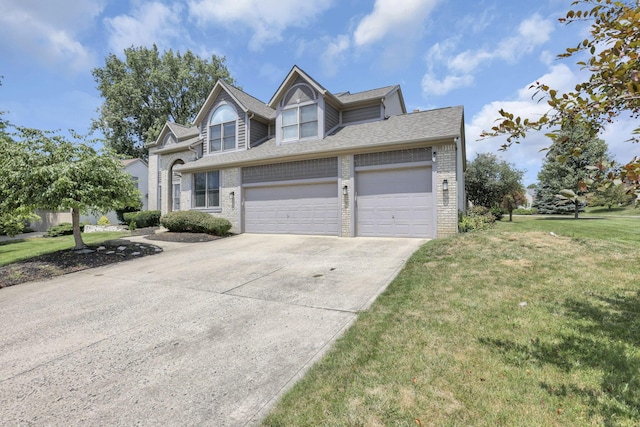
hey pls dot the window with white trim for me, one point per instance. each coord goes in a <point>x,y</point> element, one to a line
<point>206,189</point>
<point>300,122</point>
<point>222,129</point>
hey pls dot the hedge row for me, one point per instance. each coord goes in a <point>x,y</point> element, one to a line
<point>142,219</point>
<point>195,222</point>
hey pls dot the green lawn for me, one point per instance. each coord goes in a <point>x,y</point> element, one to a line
<point>512,327</point>
<point>18,250</point>
<point>615,211</point>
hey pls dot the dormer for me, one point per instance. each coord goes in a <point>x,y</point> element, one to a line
<point>301,106</point>
<point>231,120</point>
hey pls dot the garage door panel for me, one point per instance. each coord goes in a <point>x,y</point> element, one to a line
<point>396,203</point>
<point>292,209</point>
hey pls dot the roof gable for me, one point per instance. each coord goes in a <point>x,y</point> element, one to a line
<point>289,81</point>
<point>245,101</point>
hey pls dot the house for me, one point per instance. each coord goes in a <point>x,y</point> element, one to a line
<point>530,196</point>
<point>310,161</point>
<point>139,172</point>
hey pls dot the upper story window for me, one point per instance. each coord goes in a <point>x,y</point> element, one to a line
<point>299,114</point>
<point>300,122</point>
<point>222,129</point>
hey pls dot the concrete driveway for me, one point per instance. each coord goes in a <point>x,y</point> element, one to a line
<point>202,334</point>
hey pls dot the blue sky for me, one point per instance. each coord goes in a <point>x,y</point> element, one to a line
<point>482,54</point>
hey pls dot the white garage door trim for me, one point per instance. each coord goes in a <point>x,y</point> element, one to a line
<point>396,202</point>
<point>300,208</point>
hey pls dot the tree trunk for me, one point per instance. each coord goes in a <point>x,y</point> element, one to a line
<point>510,216</point>
<point>77,237</point>
<point>576,209</point>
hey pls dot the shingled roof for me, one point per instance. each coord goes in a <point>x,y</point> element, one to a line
<point>424,126</point>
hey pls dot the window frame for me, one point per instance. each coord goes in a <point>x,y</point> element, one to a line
<point>222,140</point>
<point>299,121</point>
<point>207,192</point>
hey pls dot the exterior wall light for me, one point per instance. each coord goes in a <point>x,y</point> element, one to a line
<point>232,195</point>
<point>434,155</point>
<point>445,185</point>
<point>345,190</point>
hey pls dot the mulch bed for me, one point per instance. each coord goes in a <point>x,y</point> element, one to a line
<point>67,261</point>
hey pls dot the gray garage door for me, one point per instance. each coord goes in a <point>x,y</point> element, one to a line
<point>292,209</point>
<point>395,203</point>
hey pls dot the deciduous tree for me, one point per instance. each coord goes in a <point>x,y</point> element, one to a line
<point>146,89</point>
<point>47,171</point>
<point>488,180</point>
<point>511,201</point>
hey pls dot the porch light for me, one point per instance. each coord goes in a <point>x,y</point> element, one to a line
<point>434,155</point>
<point>345,190</point>
<point>232,195</point>
<point>445,185</point>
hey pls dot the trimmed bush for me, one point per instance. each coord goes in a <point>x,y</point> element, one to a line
<point>120,212</point>
<point>143,218</point>
<point>195,222</point>
<point>62,229</point>
<point>475,219</point>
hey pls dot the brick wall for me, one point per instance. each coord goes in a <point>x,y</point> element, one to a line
<point>346,178</point>
<point>447,200</point>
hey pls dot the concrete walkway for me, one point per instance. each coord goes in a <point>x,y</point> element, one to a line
<point>202,334</point>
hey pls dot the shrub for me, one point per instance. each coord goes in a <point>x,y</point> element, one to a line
<point>475,219</point>
<point>195,222</point>
<point>142,219</point>
<point>497,212</point>
<point>120,212</point>
<point>62,229</point>
<point>104,220</point>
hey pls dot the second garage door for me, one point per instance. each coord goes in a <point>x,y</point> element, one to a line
<point>292,209</point>
<point>395,203</point>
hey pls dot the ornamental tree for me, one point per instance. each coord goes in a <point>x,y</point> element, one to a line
<point>42,170</point>
<point>612,52</point>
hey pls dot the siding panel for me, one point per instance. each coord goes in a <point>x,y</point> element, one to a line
<point>361,114</point>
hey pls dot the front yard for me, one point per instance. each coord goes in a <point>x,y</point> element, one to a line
<point>536,322</point>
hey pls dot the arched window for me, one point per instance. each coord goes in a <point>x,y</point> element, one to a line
<point>222,129</point>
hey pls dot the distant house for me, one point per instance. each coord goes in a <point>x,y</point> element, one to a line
<point>530,195</point>
<point>139,171</point>
<point>310,161</point>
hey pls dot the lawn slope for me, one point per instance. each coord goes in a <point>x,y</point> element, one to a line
<point>536,322</point>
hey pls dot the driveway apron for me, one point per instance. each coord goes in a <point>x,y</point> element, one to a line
<point>202,334</point>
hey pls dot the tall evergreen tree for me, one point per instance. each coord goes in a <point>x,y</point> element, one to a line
<point>146,89</point>
<point>565,168</point>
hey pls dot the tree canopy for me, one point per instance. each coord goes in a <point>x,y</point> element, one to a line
<point>488,180</point>
<point>566,167</point>
<point>146,89</point>
<point>42,170</point>
<point>612,52</point>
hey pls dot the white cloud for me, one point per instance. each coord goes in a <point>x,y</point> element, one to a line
<point>433,86</point>
<point>532,32</point>
<point>49,31</point>
<point>526,155</point>
<point>266,18</point>
<point>148,24</point>
<point>392,17</point>
<point>334,54</point>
